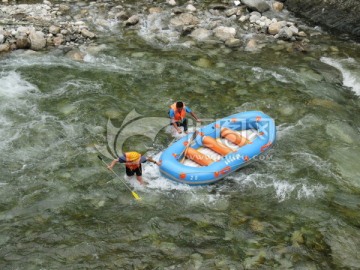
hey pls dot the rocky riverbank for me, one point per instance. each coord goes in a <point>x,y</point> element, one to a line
<point>239,25</point>
<point>340,16</point>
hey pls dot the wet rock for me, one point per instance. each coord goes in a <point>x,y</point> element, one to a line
<point>58,40</point>
<point>257,5</point>
<point>217,6</point>
<point>2,39</point>
<point>224,33</point>
<point>64,8</point>
<point>347,162</point>
<point>256,225</point>
<point>184,19</point>
<point>297,238</point>
<point>87,34</point>
<point>23,43</point>
<point>76,55</point>
<point>340,16</point>
<point>201,34</point>
<point>251,45</point>
<point>154,10</point>
<point>233,42</point>
<point>274,28</point>
<point>325,103</point>
<point>4,47</point>
<point>330,73</point>
<point>344,245</point>
<point>285,33</point>
<point>37,39</point>
<point>230,12</point>
<point>294,29</point>
<point>278,6</point>
<point>190,8</point>
<point>300,47</point>
<point>171,2</point>
<point>203,62</point>
<point>134,19</point>
<point>53,29</point>
<point>254,17</point>
<point>187,29</point>
<point>122,15</point>
<point>342,131</point>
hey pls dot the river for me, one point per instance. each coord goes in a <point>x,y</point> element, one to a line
<point>297,208</point>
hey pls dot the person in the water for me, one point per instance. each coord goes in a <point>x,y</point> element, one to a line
<point>133,162</point>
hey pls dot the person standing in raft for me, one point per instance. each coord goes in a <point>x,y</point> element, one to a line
<point>133,162</point>
<point>177,114</point>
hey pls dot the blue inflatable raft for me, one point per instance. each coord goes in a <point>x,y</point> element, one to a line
<point>218,149</point>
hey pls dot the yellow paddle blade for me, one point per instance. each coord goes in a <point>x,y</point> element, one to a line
<point>135,196</point>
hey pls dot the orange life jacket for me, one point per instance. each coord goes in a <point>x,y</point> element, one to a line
<point>179,116</point>
<point>132,160</point>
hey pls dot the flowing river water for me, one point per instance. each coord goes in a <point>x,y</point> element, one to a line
<point>297,208</point>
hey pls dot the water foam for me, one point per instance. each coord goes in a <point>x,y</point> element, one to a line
<point>13,90</point>
<point>13,86</point>
<point>349,69</point>
<point>284,190</point>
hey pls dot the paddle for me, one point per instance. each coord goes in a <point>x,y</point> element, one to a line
<point>132,192</point>
<point>188,145</point>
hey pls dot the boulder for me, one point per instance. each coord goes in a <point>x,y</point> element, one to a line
<point>86,33</point>
<point>257,5</point>
<point>184,19</point>
<point>278,6</point>
<point>224,33</point>
<point>201,34</point>
<point>340,16</point>
<point>37,39</point>
<point>4,47</point>
<point>53,29</point>
<point>23,42</point>
<point>134,19</point>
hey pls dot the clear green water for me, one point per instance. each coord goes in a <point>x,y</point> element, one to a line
<point>298,209</point>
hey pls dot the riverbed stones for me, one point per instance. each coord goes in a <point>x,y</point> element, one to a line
<point>231,26</point>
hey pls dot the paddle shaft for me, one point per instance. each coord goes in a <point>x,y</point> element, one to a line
<point>186,148</point>
<point>132,192</point>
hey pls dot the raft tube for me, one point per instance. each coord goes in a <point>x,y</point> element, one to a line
<point>219,148</point>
